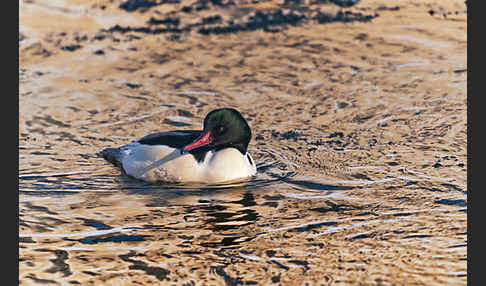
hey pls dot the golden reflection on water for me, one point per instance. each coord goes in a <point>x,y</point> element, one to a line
<point>275,229</point>
<point>361,151</point>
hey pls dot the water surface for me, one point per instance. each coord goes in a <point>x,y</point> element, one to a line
<point>359,134</point>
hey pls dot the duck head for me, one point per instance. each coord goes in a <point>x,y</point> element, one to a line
<point>223,128</point>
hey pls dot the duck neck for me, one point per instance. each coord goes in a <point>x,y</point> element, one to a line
<point>239,146</point>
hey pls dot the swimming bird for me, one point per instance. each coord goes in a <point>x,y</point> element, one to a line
<point>216,154</point>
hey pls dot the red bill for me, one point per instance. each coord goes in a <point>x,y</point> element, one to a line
<point>203,140</point>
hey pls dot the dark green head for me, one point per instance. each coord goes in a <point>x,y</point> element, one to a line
<point>223,127</point>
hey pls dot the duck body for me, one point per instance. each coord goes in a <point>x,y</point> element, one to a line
<point>185,156</point>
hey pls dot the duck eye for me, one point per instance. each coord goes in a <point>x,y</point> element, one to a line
<point>221,129</point>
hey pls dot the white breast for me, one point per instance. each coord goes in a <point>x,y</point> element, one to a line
<point>162,163</point>
<point>227,165</point>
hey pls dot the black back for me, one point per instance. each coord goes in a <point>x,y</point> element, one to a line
<point>176,139</point>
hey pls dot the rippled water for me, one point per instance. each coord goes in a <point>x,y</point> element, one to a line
<point>99,224</point>
<point>361,152</point>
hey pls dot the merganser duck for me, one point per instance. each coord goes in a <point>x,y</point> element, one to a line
<point>217,154</point>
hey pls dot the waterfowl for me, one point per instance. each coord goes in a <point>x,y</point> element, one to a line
<point>216,154</point>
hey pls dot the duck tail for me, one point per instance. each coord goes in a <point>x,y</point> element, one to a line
<point>112,155</point>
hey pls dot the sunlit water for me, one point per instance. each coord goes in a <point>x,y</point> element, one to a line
<point>277,219</point>
<point>361,152</point>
